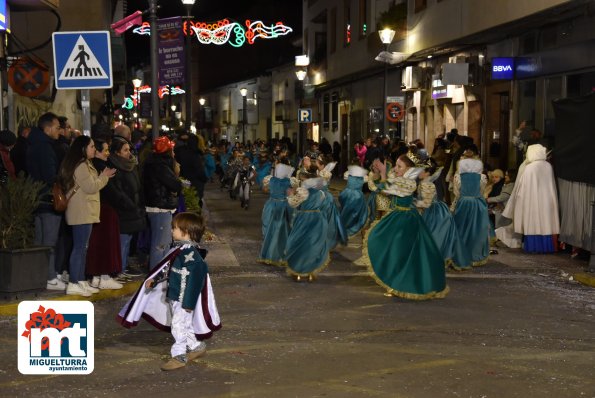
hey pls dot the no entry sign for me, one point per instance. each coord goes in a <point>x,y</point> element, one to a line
<point>395,112</point>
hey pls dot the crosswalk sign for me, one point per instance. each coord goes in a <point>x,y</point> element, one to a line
<point>82,60</point>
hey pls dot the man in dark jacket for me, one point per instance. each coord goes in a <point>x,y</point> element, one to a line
<point>192,164</point>
<point>162,188</point>
<point>42,165</point>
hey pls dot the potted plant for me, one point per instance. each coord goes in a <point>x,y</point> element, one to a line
<point>22,267</point>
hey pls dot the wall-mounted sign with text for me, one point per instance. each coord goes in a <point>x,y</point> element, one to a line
<point>503,68</point>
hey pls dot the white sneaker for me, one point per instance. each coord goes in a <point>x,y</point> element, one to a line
<point>95,282</point>
<point>77,289</point>
<point>55,284</point>
<point>122,278</point>
<point>64,276</point>
<point>109,284</point>
<point>88,287</point>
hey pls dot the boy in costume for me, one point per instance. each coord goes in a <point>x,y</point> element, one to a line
<point>185,304</point>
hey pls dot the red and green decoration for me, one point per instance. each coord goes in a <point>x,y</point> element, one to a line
<point>227,31</point>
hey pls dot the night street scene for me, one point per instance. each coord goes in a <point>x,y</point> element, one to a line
<point>297,198</point>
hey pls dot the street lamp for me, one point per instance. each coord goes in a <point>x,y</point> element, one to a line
<point>301,63</point>
<point>244,92</point>
<point>136,84</point>
<point>173,108</point>
<point>188,4</point>
<point>386,37</point>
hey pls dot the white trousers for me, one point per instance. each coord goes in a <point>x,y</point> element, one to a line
<point>181,330</point>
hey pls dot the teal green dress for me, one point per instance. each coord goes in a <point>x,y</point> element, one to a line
<point>354,208</point>
<point>336,231</point>
<point>440,222</point>
<point>276,223</point>
<point>402,254</point>
<point>472,220</point>
<point>307,251</point>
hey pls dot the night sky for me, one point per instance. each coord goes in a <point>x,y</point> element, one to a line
<point>219,65</point>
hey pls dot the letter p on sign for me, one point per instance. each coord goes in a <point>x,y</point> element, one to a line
<point>305,115</point>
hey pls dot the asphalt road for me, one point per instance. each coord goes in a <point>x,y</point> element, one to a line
<point>516,327</point>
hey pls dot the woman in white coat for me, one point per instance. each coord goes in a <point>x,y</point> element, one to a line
<point>533,205</point>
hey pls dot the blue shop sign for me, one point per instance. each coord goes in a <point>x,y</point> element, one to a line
<point>503,68</point>
<point>3,16</point>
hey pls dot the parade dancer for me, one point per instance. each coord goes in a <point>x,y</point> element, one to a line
<point>277,215</point>
<point>263,168</point>
<point>378,204</point>
<point>243,182</point>
<point>399,249</point>
<point>471,210</point>
<point>336,230</point>
<point>354,208</point>
<point>185,305</point>
<point>307,250</point>
<point>210,165</point>
<point>439,220</point>
<point>533,204</point>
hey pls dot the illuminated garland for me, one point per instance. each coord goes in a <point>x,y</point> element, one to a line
<point>131,102</point>
<point>226,31</point>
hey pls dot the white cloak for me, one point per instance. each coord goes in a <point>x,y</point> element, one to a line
<point>533,204</point>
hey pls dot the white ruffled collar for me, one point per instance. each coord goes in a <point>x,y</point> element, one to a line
<point>316,183</point>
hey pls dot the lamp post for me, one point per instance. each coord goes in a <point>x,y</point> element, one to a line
<point>188,121</point>
<point>173,108</point>
<point>154,70</point>
<point>301,63</point>
<point>386,36</point>
<point>201,115</point>
<point>136,84</point>
<point>244,92</point>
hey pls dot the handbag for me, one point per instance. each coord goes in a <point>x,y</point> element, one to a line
<point>60,200</point>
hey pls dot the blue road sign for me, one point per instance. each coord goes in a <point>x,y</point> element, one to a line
<point>82,60</point>
<point>305,115</point>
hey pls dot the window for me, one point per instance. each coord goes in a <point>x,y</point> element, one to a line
<point>580,84</point>
<point>420,5</point>
<point>325,111</point>
<point>335,111</point>
<point>553,91</point>
<point>363,18</point>
<point>333,29</point>
<point>527,101</point>
<point>278,111</point>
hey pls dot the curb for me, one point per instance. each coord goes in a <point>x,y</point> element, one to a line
<point>12,308</point>
<point>585,279</point>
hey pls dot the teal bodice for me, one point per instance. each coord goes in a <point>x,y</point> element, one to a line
<point>397,201</point>
<point>278,187</point>
<point>315,200</point>
<point>470,185</point>
<point>355,183</point>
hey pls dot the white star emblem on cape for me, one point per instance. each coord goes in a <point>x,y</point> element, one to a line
<point>188,257</point>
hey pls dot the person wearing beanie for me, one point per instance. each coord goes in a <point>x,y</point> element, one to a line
<point>162,188</point>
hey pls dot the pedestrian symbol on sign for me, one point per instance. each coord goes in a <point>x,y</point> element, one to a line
<point>82,64</point>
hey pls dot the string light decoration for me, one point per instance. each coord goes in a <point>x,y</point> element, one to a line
<point>226,31</point>
<point>130,102</point>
